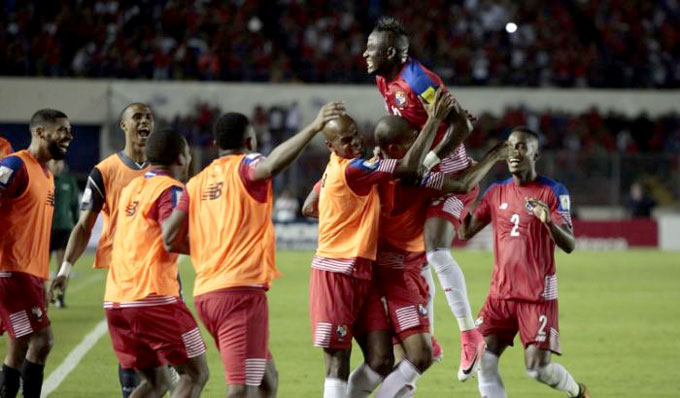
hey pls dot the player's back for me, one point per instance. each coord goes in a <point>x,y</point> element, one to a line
<point>27,219</point>
<point>231,232</point>
<point>116,172</point>
<point>140,265</point>
<point>402,221</point>
<point>403,96</point>
<point>523,249</point>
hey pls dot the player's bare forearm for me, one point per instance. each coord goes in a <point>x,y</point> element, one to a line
<point>473,175</point>
<point>283,155</point>
<point>311,206</point>
<point>175,232</point>
<point>461,128</point>
<point>470,226</point>
<point>563,236</point>
<point>80,235</point>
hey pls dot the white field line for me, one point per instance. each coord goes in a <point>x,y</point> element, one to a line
<point>73,359</point>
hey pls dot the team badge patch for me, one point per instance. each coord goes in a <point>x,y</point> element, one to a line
<point>370,164</point>
<point>37,312</point>
<point>565,202</point>
<point>341,332</point>
<point>5,174</point>
<point>479,321</point>
<point>422,310</point>
<point>400,99</point>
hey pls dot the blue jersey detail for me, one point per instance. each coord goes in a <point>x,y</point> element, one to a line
<point>414,74</point>
<point>560,191</point>
<point>365,165</point>
<point>252,157</point>
<point>9,168</point>
<point>176,195</point>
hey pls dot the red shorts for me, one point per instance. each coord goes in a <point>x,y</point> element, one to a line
<point>453,206</point>
<point>537,323</point>
<point>238,320</point>
<point>340,306</point>
<point>22,304</point>
<point>150,336</point>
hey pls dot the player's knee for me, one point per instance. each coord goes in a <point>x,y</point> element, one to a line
<point>440,260</point>
<point>202,374</point>
<point>422,360</point>
<point>381,362</point>
<point>41,344</point>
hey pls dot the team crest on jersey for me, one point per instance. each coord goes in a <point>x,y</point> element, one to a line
<point>37,312</point>
<point>422,310</point>
<point>131,208</point>
<point>341,332</point>
<point>400,99</point>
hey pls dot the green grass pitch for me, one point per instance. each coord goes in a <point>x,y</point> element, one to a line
<point>619,327</point>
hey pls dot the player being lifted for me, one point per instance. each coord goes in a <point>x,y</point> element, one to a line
<point>405,84</point>
<point>348,212</point>
<point>26,208</point>
<point>227,212</point>
<point>530,215</point>
<point>149,324</point>
<point>106,181</point>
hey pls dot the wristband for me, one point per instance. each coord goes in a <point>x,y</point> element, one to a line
<point>431,160</point>
<point>65,269</point>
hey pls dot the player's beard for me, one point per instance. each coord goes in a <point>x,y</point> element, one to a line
<point>56,152</point>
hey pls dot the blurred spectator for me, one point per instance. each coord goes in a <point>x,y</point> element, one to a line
<point>597,43</point>
<point>286,207</point>
<point>639,204</point>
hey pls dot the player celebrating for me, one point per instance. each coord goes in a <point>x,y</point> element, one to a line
<point>150,325</point>
<point>405,84</point>
<point>227,210</point>
<point>349,210</point>
<point>530,215</point>
<point>5,147</point>
<point>26,208</point>
<point>101,194</point>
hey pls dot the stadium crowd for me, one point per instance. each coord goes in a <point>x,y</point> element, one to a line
<point>597,43</point>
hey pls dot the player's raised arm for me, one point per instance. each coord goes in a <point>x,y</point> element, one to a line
<point>472,176</point>
<point>478,218</point>
<point>560,232</point>
<point>311,206</point>
<point>286,152</point>
<point>441,106</point>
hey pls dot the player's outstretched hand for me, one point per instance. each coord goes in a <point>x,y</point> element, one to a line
<point>328,112</point>
<point>539,209</point>
<point>59,285</point>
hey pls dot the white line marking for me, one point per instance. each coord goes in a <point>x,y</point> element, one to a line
<point>73,359</point>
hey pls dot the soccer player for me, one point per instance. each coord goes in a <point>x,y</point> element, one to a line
<point>101,194</point>
<point>530,216</point>
<point>150,325</point>
<point>227,212</point>
<point>65,212</point>
<point>405,85</point>
<point>26,207</point>
<point>5,147</point>
<point>348,212</point>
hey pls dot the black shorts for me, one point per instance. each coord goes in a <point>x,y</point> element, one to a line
<point>59,239</point>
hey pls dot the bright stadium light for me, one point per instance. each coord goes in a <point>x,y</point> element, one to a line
<point>511,27</point>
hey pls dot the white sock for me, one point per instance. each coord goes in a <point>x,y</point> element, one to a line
<point>452,281</point>
<point>489,381</point>
<point>334,388</point>
<point>557,377</point>
<point>362,381</point>
<point>431,290</point>
<point>401,382</point>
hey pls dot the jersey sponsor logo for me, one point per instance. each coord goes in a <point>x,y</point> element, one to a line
<point>50,198</point>
<point>131,208</point>
<point>213,192</point>
<point>400,99</point>
<point>428,94</point>
<point>565,202</point>
<point>5,174</point>
<point>503,206</point>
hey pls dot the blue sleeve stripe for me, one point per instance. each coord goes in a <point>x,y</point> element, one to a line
<point>12,162</point>
<point>417,79</point>
<point>176,195</point>
<point>559,190</point>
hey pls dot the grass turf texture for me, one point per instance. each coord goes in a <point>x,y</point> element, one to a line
<point>619,323</point>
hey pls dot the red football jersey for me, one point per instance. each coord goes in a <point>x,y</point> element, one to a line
<point>401,99</point>
<point>524,262</point>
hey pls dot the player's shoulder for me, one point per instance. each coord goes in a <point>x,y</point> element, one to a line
<point>556,186</point>
<point>365,164</point>
<point>252,158</point>
<point>500,184</point>
<point>418,77</point>
<point>9,167</point>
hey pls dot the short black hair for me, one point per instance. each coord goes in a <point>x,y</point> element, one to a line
<point>230,130</point>
<point>122,113</point>
<point>164,146</point>
<point>528,131</point>
<point>390,25</point>
<point>46,115</point>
